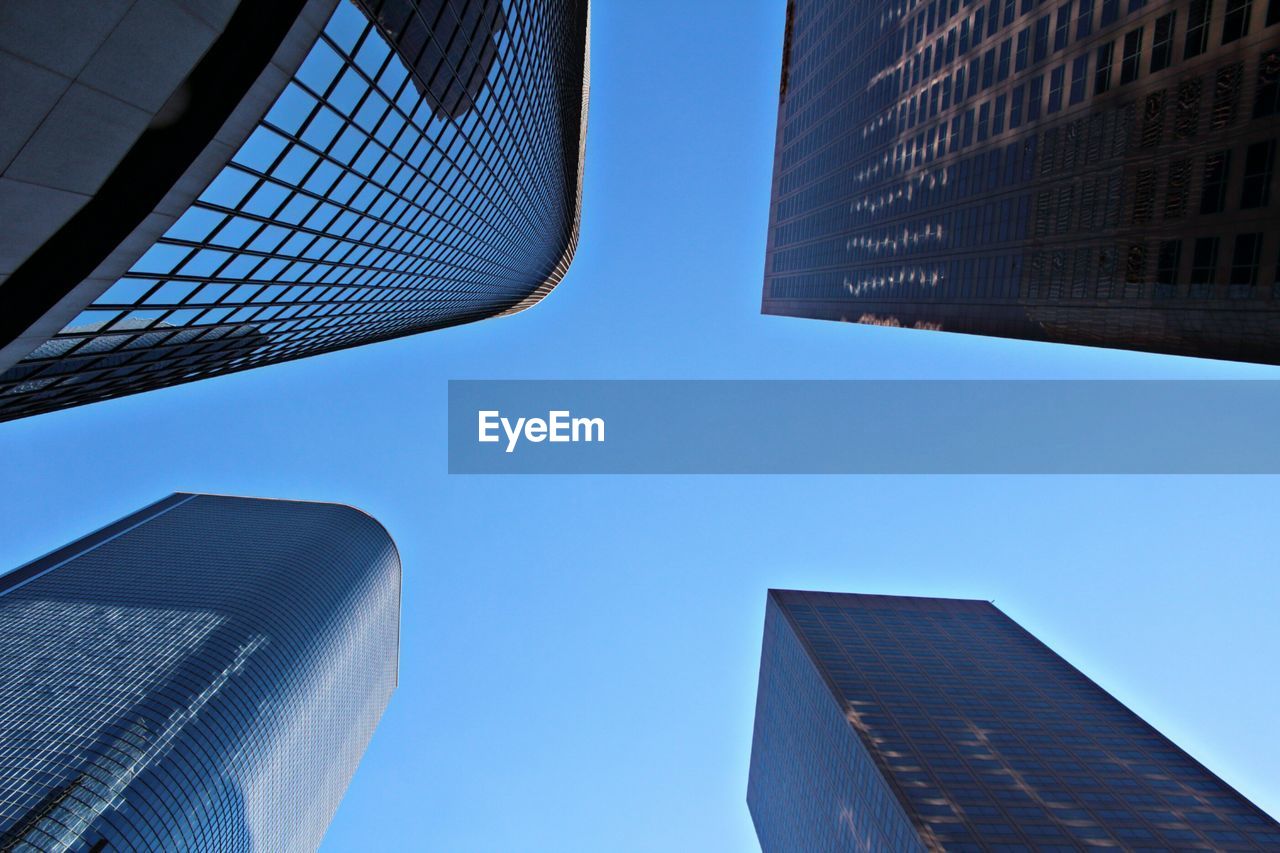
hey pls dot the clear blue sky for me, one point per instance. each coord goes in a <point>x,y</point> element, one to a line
<point>579,656</point>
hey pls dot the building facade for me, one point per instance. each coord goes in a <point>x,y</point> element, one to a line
<point>892,723</point>
<point>1096,172</point>
<point>197,192</point>
<point>204,674</point>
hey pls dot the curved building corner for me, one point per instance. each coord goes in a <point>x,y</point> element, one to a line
<point>204,674</point>
<point>373,169</point>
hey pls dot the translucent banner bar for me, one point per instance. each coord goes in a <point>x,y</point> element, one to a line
<point>864,427</point>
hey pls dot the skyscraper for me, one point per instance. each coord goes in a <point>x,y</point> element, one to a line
<point>194,189</point>
<point>203,674</point>
<point>1095,172</point>
<point>891,723</point>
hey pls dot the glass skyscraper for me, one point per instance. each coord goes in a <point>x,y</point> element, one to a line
<point>1097,172</point>
<point>892,723</point>
<point>194,191</point>
<point>203,674</point>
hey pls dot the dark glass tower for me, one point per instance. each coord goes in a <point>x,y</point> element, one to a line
<point>194,191</point>
<point>204,674</point>
<point>1097,172</point>
<point>888,723</point>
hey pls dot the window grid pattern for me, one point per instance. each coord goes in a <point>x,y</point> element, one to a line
<point>206,679</point>
<point>813,786</point>
<point>889,209</point>
<point>991,741</point>
<point>378,197</point>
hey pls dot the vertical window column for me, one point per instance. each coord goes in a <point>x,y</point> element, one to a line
<point>1217,167</point>
<point>1131,64</point>
<point>1235,25</point>
<point>1162,42</point>
<point>1102,76</point>
<point>1204,267</point>
<point>1198,17</point>
<point>1167,261</point>
<point>1244,265</point>
<point>1259,161</point>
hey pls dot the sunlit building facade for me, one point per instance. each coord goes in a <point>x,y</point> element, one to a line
<point>204,674</point>
<point>270,181</point>
<point>1097,172</point>
<point>892,723</point>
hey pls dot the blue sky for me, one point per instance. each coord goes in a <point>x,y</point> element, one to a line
<point>580,654</point>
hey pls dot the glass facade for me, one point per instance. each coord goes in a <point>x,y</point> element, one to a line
<point>421,169</point>
<point>970,727</point>
<point>1031,169</point>
<point>204,674</point>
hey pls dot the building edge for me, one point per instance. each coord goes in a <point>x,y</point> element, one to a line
<point>161,175</point>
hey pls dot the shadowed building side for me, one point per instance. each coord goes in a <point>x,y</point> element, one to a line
<point>893,723</point>
<point>1090,172</point>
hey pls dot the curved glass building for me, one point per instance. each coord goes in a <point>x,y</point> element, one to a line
<point>266,183</point>
<point>204,674</point>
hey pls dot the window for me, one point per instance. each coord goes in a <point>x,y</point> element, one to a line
<point>1002,71</point>
<point>1129,66</point>
<point>1056,81</point>
<point>1144,196</point>
<point>1084,21</point>
<point>1267,102</point>
<point>1204,265</point>
<point>1226,95</point>
<point>1197,28</point>
<point>1213,197</point>
<point>1175,203</point>
<point>1042,39</point>
<point>1024,39</point>
<point>1167,260</point>
<point>1034,94</point>
<point>1110,12</point>
<point>1135,264</point>
<point>1062,32</point>
<point>1162,42</point>
<point>1244,265</point>
<point>997,120</point>
<point>1153,119</point>
<point>1259,161</point>
<point>1102,76</point>
<point>984,121</point>
<point>1079,71</point>
<point>1236,23</point>
<point>1273,13</point>
<point>1015,107</point>
<point>989,69</point>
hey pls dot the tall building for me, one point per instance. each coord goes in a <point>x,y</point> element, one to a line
<point>1096,172</point>
<point>203,674</point>
<point>191,189</point>
<point>891,723</point>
